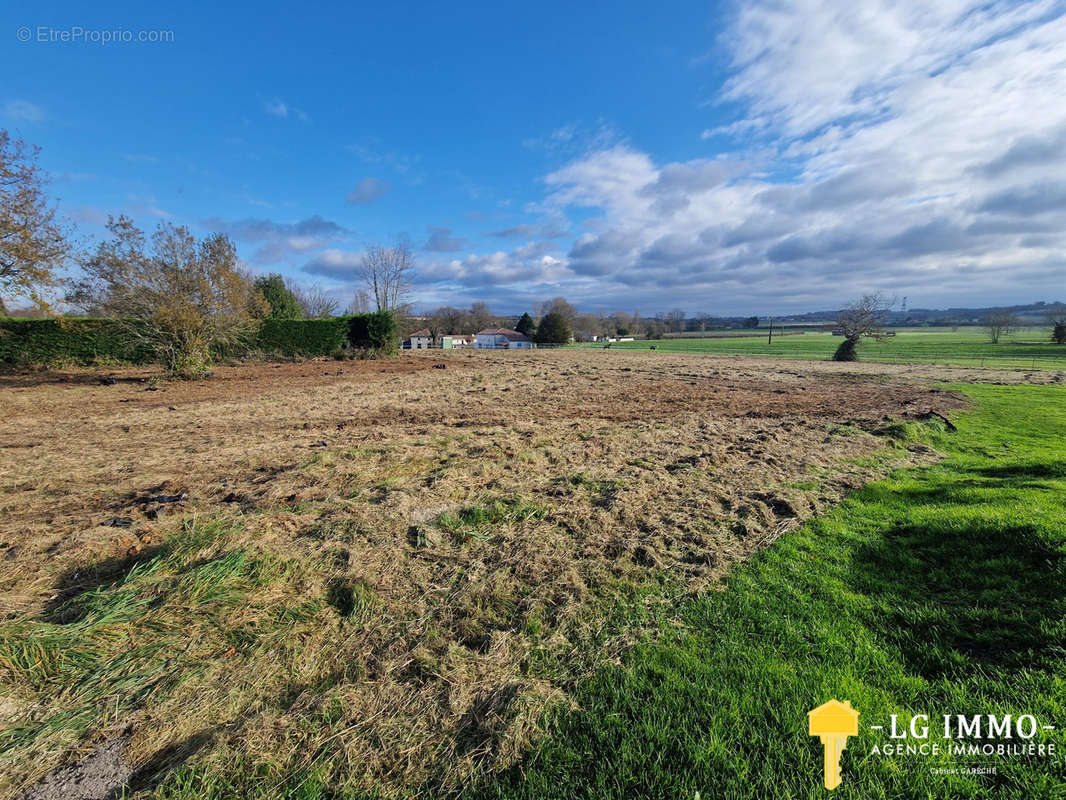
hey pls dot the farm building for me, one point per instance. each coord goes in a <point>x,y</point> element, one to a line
<point>502,339</point>
<point>458,342</point>
<point>419,340</point>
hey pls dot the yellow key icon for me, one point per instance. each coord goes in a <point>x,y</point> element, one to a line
<point>833,723</point>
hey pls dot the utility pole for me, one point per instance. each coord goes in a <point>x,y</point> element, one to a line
<point>770,338</point>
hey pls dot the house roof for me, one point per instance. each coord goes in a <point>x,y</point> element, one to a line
<point>512,336</point>
<point>423,332</point>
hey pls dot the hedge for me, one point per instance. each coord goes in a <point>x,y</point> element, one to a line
<point>85,341</point>
<point>375,331</point>
<point>53,341</point>
<point>303,337</point>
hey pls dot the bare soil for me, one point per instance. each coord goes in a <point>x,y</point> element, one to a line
<point>462,531</point>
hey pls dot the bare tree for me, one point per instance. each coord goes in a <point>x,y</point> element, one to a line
<point>1000,322</point>
<point>623,323</point>
<point>315,302</point>
<point>360,303</point>
<point>481,317</point>
<point>454,320</point>
<point>181,299</point>
<point>386,272</point>
<point>33,242</point>
<point>675,320</point>
<point>864,318</point>
<point>560,306</point>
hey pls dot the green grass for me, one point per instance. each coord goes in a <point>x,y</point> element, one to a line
<point>479,522</point>
<point>126,633</point>
<point>939,590</point>
<point>1029,349</point>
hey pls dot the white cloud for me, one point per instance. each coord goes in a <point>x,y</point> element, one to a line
<point>278,241</point>
<point>922,142</point>
<point>441,240</point>
<point>909,146</point>
<point>574,138</point>
<point>24,111</point>
<point>338,265</point>
<point>277,107</point>
<point>367,191</point>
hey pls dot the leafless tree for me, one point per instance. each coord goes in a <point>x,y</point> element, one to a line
<point>622,322</point>
<point>481,317</point>
<point>182,299</point>
<point>865,317</point>
<point>315,302</point>
<point>386,272</point>
<point>453,320</point>
<point>360,303</point>
<point>560,306</point>
<point>1000,322</point>
<point>675,320</point>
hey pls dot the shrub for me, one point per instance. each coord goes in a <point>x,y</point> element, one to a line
<point>847,351</point>
<point>1058,333</point>
<point>184,298</point>
<point>283,303</point>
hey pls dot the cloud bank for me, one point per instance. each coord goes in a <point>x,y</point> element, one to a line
<point>912,147</point>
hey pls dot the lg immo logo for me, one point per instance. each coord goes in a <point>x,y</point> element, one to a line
<point>833,722</point>
<point>960,735</point>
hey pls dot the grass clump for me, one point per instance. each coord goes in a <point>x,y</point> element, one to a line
<point>477,522</point>
<point>352,600</point>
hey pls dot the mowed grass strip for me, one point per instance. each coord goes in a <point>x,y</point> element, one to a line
<point>937,591</point>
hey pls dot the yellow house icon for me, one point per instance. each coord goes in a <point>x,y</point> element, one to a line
<point>833,723</point>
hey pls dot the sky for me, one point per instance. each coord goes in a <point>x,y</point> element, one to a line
<point>723,158</point>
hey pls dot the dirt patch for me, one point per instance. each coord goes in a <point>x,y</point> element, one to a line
<point>99,776</point>
<point>391,568</point>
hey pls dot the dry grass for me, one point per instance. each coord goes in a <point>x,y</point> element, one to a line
<point>384,572</point>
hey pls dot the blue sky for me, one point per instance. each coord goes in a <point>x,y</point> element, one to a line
<point>729,158</point>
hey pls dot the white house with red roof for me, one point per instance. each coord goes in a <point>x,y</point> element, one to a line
<point>502,339</point>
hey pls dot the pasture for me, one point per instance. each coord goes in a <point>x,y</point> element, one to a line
<point>1029,348</point>
<point>500,573</point>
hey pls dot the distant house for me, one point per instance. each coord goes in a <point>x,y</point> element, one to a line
<point>419,340</point>
<point>502,339</point>
<point>458,342</point>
